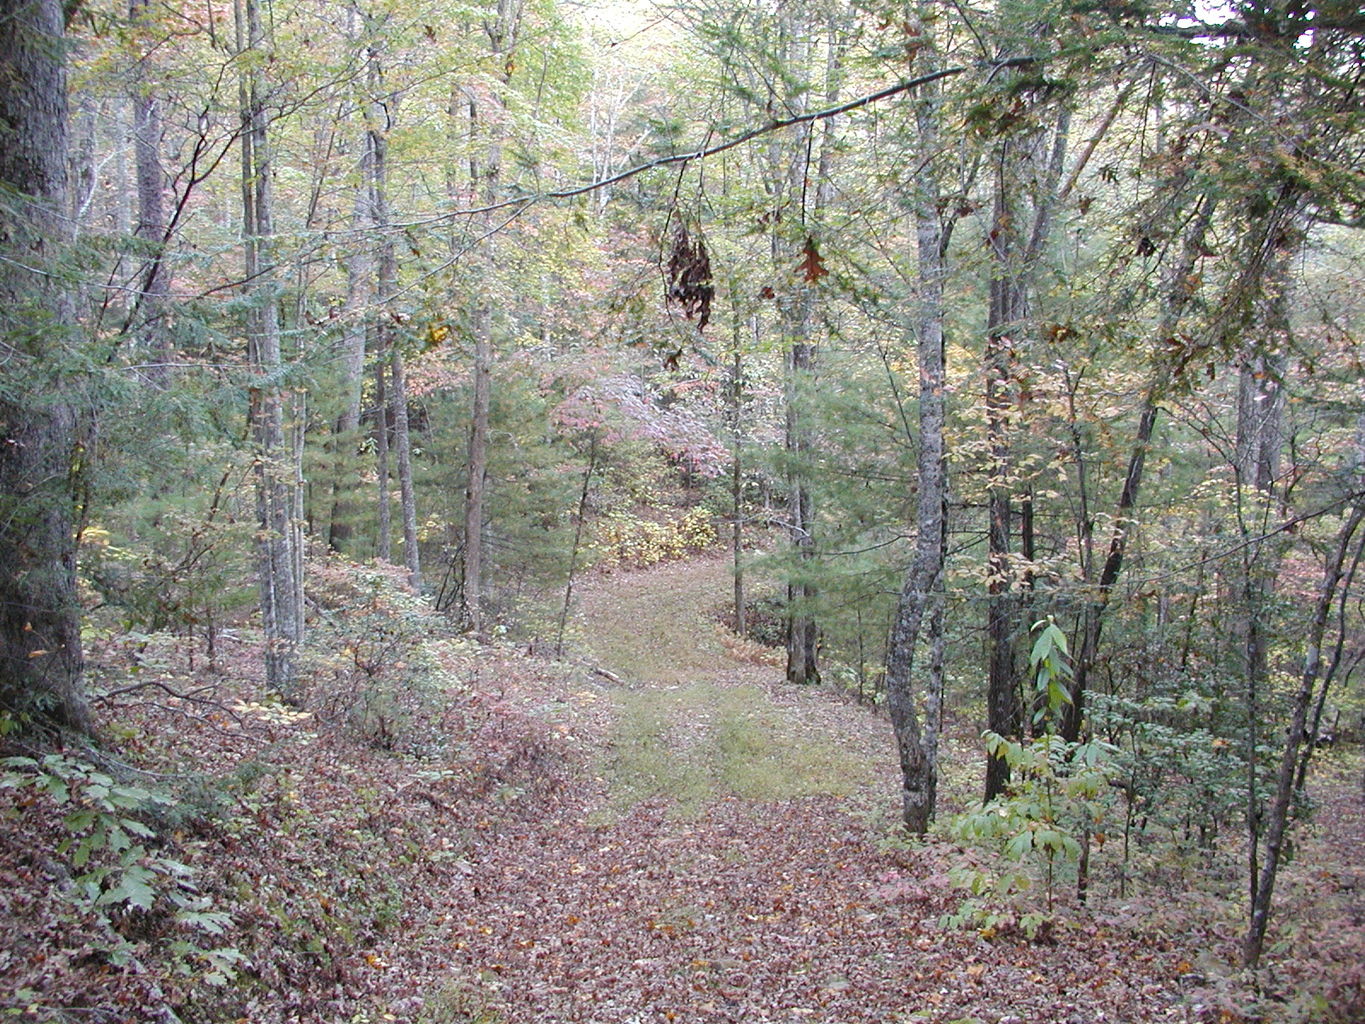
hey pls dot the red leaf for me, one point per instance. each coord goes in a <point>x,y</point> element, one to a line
<point>812,266</point>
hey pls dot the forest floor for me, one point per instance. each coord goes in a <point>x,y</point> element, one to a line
<point>679,837</point>
<point>736,858</point>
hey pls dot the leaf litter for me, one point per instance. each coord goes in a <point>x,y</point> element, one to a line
<point>523,871</point>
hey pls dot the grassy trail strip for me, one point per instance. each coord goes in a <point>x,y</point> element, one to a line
<point>721,855</point>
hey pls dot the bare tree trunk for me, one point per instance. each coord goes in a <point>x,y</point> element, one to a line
<point>1016,244</point>
<point>402,444</point>
<point>345,435</point>
<point>802,629</point>
<point>153,287</point>
<point>281,613</point>
<point>383,543</point>
<point>380,117</point>
<point>1313,730</point>
<point>737,469</point>
<point>1178,296</point>
<point>41,663</point>
<point>1277,814</point>
<point>502,31</point>
<point>1008,310</point>
<point>477,472</point>
<point>797,315</point>
<point>917,747</point>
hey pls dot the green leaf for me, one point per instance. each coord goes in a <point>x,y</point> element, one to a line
<point>137,828</point>
<point>214,922</point>
<point>1020,846</point>
<point>83,850</point>
<point>79,821</point>
<point>133,889</point>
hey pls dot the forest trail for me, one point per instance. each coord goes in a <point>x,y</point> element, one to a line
<point>728,856</point>
<point>702,715</point>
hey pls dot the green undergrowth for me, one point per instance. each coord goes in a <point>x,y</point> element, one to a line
<point>698,742</point>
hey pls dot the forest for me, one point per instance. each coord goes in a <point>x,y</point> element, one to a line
<point>661,510</point>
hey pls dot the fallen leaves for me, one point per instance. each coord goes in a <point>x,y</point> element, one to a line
<point>483,882</point>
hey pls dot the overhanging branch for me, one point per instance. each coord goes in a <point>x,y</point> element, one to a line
<point>775,125</point>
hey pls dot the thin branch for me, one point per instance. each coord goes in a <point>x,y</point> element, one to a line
<point>704,152</point>
<point>193,696</point>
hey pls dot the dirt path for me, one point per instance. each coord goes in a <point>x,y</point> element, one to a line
<point>703,716</point>
<point>726,858</point>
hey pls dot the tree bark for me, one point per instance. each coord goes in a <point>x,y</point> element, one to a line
<point>1177,301</point>
<point>1016,243</point>
<point>502,31</point>
<point>1277,814</point>
<point>383,549</point>
<point>737,469</point>
<point>380,116</point>
<point>281,611</point>
<point>153,282</point>
<point>402,443</point>
<point>797,314</point>
<point>916,747</point>
<point>354,312</point>
<point>41,663</point>
<point>1007,313</point>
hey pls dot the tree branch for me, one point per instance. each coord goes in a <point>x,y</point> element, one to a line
<point>768,128</point>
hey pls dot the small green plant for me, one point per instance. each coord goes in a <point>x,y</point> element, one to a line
<point>1040,827</point>
<point>114,871</point>
<point>1051,666</point>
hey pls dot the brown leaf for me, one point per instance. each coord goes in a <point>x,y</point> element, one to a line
<point>812,265</point>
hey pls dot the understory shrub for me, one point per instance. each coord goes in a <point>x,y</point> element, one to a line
<point>113,866</point>
<point>367,659</point>
<point>626,540</point>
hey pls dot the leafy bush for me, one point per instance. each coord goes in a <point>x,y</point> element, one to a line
<point>1040,828</point>
<point>367,659</point>
<point>1036,832</point>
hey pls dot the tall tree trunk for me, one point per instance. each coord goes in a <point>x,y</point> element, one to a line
<point>737,467</point>
<point>802,629</point>
<point>380,116</point>
<point>1313,730</point>
<point>797,314</point>
<point>153,282</point>
<point>1006,319</point>
<point>1177,301</point>
<point>1277,814</point>
<point>502,31</point>
<point>402,443</point>
<point>346,433</point>
<point>41,664</point>
<point>1016,242</point>
<point>477,472</point>
<point>281,612</point>
<point>1263,322</point>
<point>916,746</point>
<point>383,548</point>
